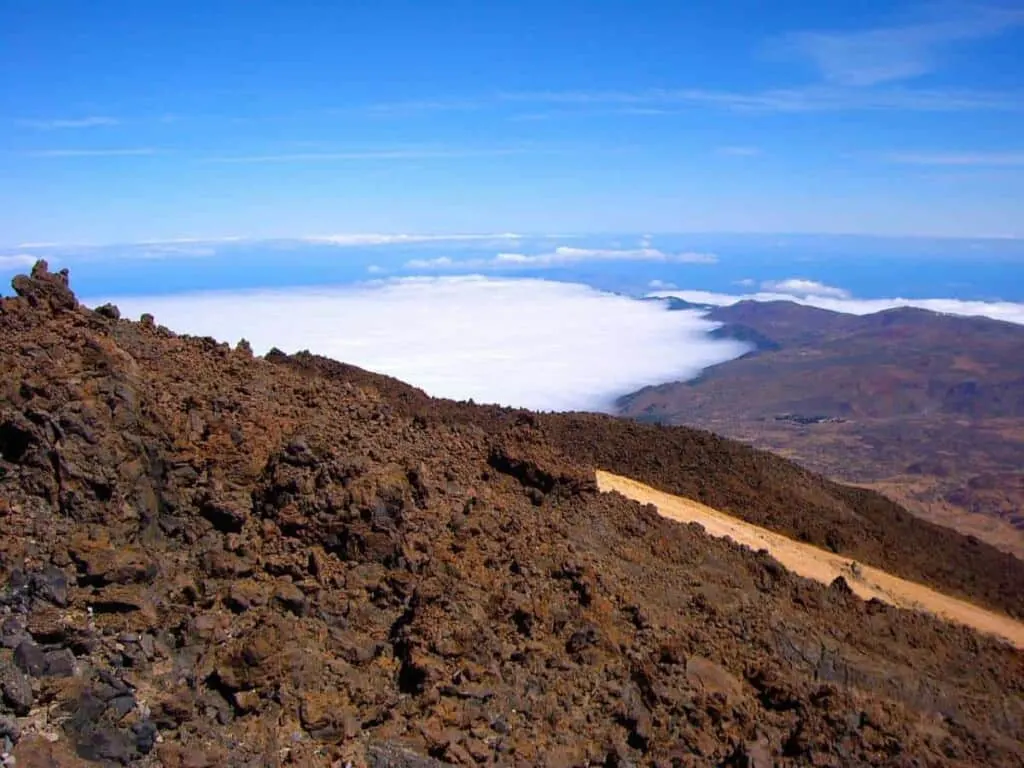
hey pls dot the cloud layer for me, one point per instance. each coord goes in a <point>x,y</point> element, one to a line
<point>563,255</point>
<point>93,121</point>
<point>16,261</point>
<point>815,294</point>
<point>533,343</point>
<point>368,239</point>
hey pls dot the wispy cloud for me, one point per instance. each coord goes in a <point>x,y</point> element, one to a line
<point>467,337</point>
<point>413,107</point>
<point>17,261</point>
<point>888,54</point>
<point>819,98</point>
<point>561,256</point>
<point>117,152</point>
<point>570,255</point>
<point>441,262</point>
<point>994,159</point>
<point>189,240</point>
<point>366,239</point>
<point>371,155</point>
<point>95,121</point>
<point>739,151</point>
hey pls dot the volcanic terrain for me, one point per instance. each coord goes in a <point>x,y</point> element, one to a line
<point>209,558</point>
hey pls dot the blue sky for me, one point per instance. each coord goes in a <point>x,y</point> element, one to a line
<point>123,120</point>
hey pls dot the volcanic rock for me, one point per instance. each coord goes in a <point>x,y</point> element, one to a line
<point>289,561</point>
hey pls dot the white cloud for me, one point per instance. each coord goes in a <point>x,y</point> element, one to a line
<point>569,255</point>
<point>367,239</point>
<point>466,337</point>
<point>886,54</point>
<point>661,285</point>
<point>17,260</point>
<point>175,251</point>
<point>563,255</point>
<point>370,155</point>
<point>441,262</point>
<point>80,122</point>
<point>512,258</point>
<point>1007,311</point>
<point>816,98</point>
<point>190,240</point>
<point>803,288</point>
<point>116,152</point>
<point>375,269</point>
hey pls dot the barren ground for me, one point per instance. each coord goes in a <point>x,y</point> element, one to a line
<point>818,564</point>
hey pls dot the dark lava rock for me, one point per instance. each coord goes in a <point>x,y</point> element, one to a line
<point>109,311</point>
<point>51,585</point>
<point>9,729</point>
<point>840,586</point>
<point>103,743</point>
<point>121,705</point>
<point>60,663</point>
<point>17,690</point>
<point>30,658</point>
<point>12,632</point>
<point>145,733</point>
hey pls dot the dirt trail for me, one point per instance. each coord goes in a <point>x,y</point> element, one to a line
<point>814,563</point>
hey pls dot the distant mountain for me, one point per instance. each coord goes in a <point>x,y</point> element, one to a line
<point>927,407</point>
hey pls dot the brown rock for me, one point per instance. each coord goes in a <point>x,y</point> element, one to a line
<point>224,565</point>
<point>244,595</point>
<point>101,564</point>
<point>120,599</point>
<point>712,678</point>
<point>38,752</point>
<point>290,598</point>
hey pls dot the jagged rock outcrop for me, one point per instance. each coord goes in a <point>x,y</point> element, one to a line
<point>213,559</point>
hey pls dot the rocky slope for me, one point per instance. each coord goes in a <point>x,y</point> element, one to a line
<point>214,559</point>
<point>732,477</point>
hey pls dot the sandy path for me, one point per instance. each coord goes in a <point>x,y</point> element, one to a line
<point>818,564</point>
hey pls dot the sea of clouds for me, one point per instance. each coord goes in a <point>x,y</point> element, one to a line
<point>473,316</point>
<point>525,342</point>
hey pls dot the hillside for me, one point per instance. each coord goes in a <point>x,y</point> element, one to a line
<point>927,408</point>
<point>211,559</point>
